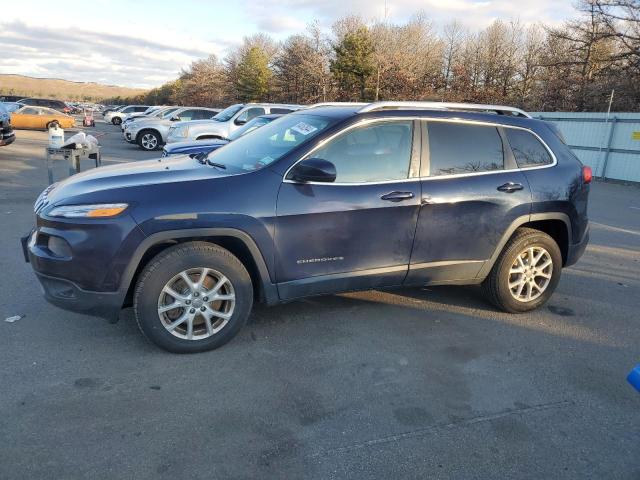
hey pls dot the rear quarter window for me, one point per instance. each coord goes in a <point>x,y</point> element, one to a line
<point>527,149</point>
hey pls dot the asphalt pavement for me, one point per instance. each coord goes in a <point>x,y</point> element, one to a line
<point>401,384</point>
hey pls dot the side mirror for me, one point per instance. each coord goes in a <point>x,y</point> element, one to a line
<point>313,170</point>
<point>239,121</point>
<point>175,119</point>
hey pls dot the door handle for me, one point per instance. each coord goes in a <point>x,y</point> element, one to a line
<point>510,187</point>
<point>397,196</point>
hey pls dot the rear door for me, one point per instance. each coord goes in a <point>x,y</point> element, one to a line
<point>472,191</point>
<point>358,231</point>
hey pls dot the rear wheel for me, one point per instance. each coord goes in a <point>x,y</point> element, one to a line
<point>52,124</point>
<point>193,297</point>
<point>526,274</point>
<point>116,120</point>
<point>149,140</point>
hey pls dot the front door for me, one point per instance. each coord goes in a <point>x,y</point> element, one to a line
<point>357,232</point>
<point>472,191</point>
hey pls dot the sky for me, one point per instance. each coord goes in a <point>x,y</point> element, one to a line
<point>144,43</point>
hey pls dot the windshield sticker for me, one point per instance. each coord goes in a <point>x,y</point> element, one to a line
<point>303,128</point>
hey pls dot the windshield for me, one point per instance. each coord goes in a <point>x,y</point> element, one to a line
<point>228,113</point>
<point>269,143</point>
<point>250,126</point>
<point>167,113</point>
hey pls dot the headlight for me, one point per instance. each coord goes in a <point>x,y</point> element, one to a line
<point>182,131</point>
<point>102,210</point>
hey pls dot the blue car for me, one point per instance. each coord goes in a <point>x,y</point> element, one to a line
<point>209,145</point>
<point>323,200</point>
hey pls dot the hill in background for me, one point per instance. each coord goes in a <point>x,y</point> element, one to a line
<point>61,89</point>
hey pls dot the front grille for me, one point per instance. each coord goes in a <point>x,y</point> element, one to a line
<point>43,199</point>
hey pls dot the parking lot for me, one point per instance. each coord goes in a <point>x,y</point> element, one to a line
<point>403,383</point>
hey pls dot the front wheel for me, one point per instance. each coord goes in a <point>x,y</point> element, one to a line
<point>527,272</point>
<point>116,120</point>
<point>193,297</point>
<point>149,140</point>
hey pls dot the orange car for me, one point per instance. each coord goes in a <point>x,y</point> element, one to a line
<point>39,118</point>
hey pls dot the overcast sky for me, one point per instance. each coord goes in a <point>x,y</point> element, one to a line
<point>144,43</point>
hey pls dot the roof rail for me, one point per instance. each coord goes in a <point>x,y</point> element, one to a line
<point>337,104</point>
<point>474,107</point>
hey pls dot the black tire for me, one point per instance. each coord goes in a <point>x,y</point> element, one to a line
<point>116,120</point>
<point>169,263</point>
<point>53,123</point>
<point>143,140</point>
<point>496,285</point>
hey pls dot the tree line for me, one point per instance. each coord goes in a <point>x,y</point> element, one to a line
<point>572,67</point>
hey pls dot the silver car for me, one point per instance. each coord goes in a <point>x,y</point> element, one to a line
<point>160,112</point>
<point>151,133</point>
<point>117,117</point>
<point>224,123</point>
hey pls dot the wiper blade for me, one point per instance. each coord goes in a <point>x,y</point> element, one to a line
<point>217,165</point>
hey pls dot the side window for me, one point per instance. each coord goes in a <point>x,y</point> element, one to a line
<point>280,110</point>
<point>128,110</point>
<point>250,113</point>
<point>30,111</point>
<point>527,149</point>
<point>456,148</point>
<point>139,109</point>
<point>203,115</point>
<point>373,153</point>
<point>186,115</point>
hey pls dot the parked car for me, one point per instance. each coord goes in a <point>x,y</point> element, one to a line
<point>159,113</point>
<point>209,145</point>
<point>112,108</point>
<point>11,106</point>
<point>117,116</point>
<point>320,201</point>
<point>225,122</point>
<point>40,118</point>
<point>151,133</point>
<point>145,113</point>
<point>46,102</point>
<point>10,98</point>
<point>6,131</point>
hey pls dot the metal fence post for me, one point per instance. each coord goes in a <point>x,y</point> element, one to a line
<point>612,129</point>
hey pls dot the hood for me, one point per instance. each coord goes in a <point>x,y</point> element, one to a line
<point>141,122</point>
<point>181,168</point>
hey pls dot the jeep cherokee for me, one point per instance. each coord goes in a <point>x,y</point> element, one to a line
<point>327,199</point>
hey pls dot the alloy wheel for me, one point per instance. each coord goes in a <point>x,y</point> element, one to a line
<point>530,274</point>
<point>196,303</point>
<point>149,141</point>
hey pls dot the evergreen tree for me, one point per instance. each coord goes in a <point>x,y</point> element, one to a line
<point>253,76</point>
<point>354,63</point>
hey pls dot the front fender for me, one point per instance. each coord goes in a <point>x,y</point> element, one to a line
<point>268,288</point>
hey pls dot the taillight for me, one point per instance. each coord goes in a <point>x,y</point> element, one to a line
<point>587,174</point>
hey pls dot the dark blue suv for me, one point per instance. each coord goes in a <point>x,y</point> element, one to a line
<point>323,200</point>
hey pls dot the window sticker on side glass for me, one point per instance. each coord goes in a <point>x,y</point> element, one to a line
<point>303,128</point>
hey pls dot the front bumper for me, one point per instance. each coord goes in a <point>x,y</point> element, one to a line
<point>129,137</point>
<point>80,265</point>
<point>7,136</point>
<point>68,296</point>
<point>575,251</point>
